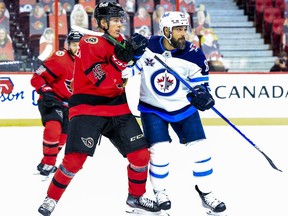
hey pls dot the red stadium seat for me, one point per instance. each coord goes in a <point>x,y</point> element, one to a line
<point>269,14</point>
<point>260,5</point>
<point>281,5</point>
<point>277,31</point>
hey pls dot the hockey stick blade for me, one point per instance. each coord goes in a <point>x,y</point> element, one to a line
<point>245,137</point>
<point>215,110</point>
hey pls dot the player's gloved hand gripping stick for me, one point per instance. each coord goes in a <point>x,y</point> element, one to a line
<point>108,37</point>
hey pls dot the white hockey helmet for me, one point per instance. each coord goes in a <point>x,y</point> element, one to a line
<point>171,19</point>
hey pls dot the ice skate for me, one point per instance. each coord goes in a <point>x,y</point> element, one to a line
<point>162,200</point>
<point>40,166</point>
<point>47,206</point>
<point>142,206</point>
<point>48,169</point>
<point>45,171</point>
<point>213,205</point>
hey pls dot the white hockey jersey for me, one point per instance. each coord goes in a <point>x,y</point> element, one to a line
<point>160,92</point>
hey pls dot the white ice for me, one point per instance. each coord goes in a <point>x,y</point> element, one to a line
<point>243,177</point>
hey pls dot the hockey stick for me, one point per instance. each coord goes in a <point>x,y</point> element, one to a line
<point>215,110</point>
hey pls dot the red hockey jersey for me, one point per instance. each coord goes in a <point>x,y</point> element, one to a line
<point>57,72</point>
<point>97,86</point>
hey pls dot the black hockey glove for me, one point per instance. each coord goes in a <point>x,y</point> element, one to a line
<point>139,43</point>
<point>49,97</point>
<point>124,54</point>
<point>203,100</point>
<point>125,81</point>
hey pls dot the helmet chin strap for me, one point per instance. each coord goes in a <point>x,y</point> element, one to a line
<point>169,39</point>
<point>70,52</point>
<point>105,30</point>
<point>108,26</point>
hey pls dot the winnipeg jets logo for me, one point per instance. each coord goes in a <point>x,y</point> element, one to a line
<point>89,142</point>
<point>193,47</point>
<point>149,62</point>
<point>164,83</point>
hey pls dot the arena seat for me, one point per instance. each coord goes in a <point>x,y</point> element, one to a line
<point>269,14</point>
<point>260,5</point>
<point>281,5</point>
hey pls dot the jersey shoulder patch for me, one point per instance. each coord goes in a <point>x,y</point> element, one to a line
<point>60,53</point>
<point>91,40</point>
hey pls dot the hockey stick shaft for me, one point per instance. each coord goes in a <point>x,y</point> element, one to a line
<point>217,112</point>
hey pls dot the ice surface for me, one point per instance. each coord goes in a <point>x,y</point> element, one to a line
<point>243,178</point>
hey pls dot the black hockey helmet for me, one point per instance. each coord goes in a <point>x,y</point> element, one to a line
<point>107,10</point>
<point>74,36</point>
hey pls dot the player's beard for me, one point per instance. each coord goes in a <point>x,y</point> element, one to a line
<point>180,43</point>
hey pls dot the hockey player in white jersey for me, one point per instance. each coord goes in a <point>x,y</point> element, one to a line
<point>164,101</point>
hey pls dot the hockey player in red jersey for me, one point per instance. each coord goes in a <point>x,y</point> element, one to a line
<point>99,106</point>
<point>52,80</point>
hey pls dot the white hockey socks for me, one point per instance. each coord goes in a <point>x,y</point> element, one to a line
<point>159,165</point>
<point>202,164</point>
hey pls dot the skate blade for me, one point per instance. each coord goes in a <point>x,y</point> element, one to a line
<point>136,211</point>
<point>42,177</point>
<point>164,213</point>
<point>209,212</point>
